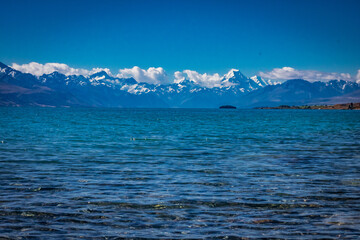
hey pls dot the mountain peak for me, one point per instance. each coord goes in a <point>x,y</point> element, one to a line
<point>235,75</point>
<point>53,75</point>
<point>56,74</point>
<point>260,81</point>
<point>102,74</point>
<point>232,73</point>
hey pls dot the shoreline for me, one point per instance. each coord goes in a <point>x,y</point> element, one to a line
<point>342,106</point>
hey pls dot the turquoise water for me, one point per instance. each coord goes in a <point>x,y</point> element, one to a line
<point>179,173</point>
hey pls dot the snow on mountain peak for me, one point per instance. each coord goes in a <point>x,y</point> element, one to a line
<point>260,81</point>
<point>231,73</point>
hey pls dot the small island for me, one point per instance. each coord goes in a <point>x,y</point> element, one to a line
<point>343,106</point>
<point>227,107</point>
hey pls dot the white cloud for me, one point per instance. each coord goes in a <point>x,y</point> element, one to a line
<point>358,77</point>
<point>95,70</point>
<point>151,75</point>
<point>204,80</point>
<point>179,77</point>
<point>286,73</point>
<point>39,69</point>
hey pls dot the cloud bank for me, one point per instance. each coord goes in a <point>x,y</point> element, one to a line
<point>151,75</point>
<point>205,80</point>
<point>287,73</point>
<point>158,75</point>
<point>39,69</point>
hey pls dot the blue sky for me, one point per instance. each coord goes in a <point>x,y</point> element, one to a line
<point>205,36</point>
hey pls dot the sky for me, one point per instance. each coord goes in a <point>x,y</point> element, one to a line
<point>274,39</point>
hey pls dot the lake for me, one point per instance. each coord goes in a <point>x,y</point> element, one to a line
<point>179,173</point>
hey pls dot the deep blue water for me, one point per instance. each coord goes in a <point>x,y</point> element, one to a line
<point>179,173</point>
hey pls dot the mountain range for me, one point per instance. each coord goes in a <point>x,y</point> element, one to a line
<point>102,90</point>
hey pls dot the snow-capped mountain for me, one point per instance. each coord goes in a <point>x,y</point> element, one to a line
<point>300,92</point>
<point>103,90</point>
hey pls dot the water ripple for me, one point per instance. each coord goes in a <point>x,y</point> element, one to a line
<point>179,174</point>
